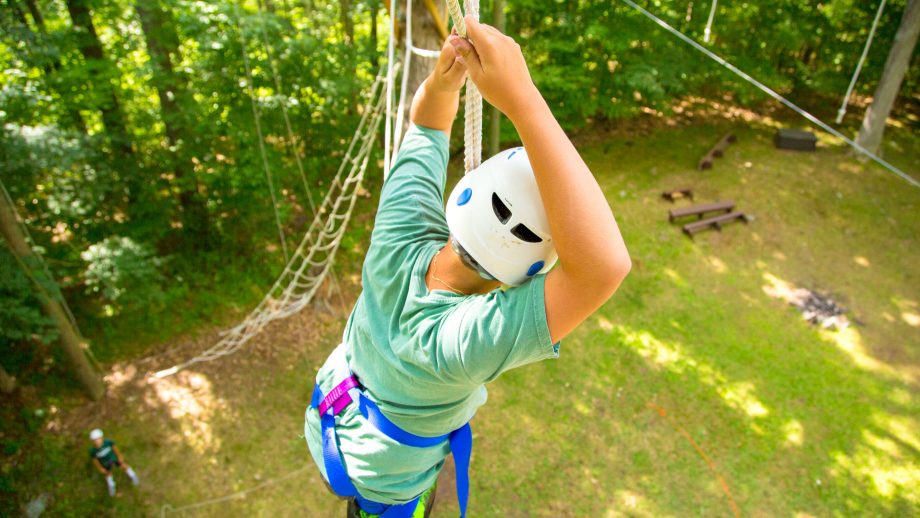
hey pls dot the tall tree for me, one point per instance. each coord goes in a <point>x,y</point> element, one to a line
<point>348,26</point>
<point>71,341</point>
<point>162,41</point>
<point>101,77</point>
<point>873,125</point>
<point>425,35</point>
<point>51,65</point>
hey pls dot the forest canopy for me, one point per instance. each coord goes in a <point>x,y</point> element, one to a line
<point>129,143</point>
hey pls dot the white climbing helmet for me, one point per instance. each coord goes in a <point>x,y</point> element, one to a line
<point>95,434</point>
<point>496,216</point>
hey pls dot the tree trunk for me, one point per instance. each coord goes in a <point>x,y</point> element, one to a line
<point>7,382</point>
<point>873,125</point>
<point>425,36</point>
<point>50,66</point>
<point>495,121</point>
<point>70,337</point>
<point>375,57</point>
<point>348,27</point>
<point>172,89</point>
<point>102,74</point>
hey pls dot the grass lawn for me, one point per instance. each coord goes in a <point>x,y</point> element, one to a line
<point>697,390</point>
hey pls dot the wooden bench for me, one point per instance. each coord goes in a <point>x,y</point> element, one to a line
<point>700,210</point>
<point>717,151</point>
<point>676,194</point>
<point>715,222</point>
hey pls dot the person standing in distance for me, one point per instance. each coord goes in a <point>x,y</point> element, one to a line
<point>106,456</point>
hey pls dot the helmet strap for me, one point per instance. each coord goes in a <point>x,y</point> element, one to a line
<point>468,260</point>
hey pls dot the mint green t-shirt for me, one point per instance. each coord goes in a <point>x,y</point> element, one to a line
<point>423,357</point>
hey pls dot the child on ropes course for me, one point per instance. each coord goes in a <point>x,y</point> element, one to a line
<point>454,297</point>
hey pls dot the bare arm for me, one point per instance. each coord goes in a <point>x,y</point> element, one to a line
<point>118,454</point>
<point>99,466</point>
<point>593,259</point>
<point>437,99</point>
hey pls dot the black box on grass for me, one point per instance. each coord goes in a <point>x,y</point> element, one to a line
<point>798,140</point>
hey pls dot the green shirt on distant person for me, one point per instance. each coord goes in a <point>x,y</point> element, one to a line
<point>105,454</point>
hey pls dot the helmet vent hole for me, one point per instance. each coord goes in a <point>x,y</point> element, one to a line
<point>525,234</point>
<point>502,212</point>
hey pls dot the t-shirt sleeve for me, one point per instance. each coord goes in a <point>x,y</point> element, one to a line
<point>412,199</point>
<point>488,335</point>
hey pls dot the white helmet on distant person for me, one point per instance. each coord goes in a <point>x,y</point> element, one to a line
<point>95,434</point>
<point>497,221</point>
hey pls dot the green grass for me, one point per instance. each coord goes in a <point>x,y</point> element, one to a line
<point>796,421</point>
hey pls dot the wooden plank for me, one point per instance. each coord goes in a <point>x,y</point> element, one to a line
<point>715,222</point>
<point>716,152</point>
<point>700,210</point>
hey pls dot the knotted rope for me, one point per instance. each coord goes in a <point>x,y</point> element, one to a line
<point>472,121</point>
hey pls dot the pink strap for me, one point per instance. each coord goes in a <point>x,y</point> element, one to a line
<point>338,398</point>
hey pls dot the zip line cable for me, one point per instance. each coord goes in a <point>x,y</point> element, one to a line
<point>772,93</point>
<point>862,59</point>
<point>262,152</point>
<point>166,509</point>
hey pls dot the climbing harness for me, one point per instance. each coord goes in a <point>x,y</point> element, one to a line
<point>349,391</point>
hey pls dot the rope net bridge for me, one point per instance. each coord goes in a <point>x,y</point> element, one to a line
<point>311,262</point>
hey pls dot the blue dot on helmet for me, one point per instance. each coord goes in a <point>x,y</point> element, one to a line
<point>465,196</point>
<point>534,268</point>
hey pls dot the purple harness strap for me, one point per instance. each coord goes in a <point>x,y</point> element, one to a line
<point>338,397</point>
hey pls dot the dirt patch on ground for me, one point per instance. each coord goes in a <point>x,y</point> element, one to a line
<point>278,344</point>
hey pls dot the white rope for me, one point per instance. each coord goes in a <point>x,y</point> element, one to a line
<point>472,108</point>
<point>862,59</point>
<point>404,84</point>
<point>388,125</point>
<point>789,104</point>
<point>425,53</point>
<point>472,119</point>
<point>313,257</point>
<point>712,14</point>
<point>166,509</point>
<point>255,115</point>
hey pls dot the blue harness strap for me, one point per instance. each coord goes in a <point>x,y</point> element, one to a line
<point>346,392</point>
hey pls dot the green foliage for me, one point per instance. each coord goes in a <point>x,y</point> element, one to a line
<point>184,178</point>
<point>124,273</point>
<point>601,59</point>
<point>21,319</point>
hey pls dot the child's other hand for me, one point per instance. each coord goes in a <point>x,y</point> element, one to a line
<point>497,66</point>
<point>449,73</point>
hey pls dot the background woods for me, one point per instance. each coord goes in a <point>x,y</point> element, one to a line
<point>162,157</point>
